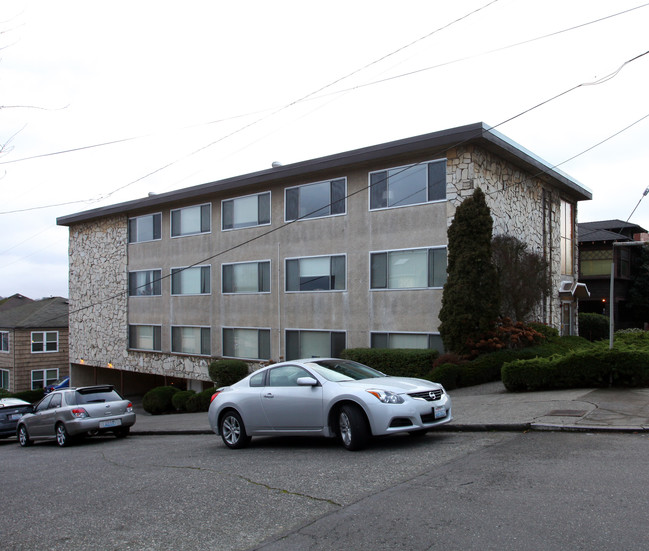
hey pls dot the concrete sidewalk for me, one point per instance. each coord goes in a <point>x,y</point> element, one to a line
<point>488,407</point>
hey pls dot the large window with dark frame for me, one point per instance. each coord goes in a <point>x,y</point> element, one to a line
<point>246,277</point>
<point>191,220</point>
<point>246,343</point>
<point>419,341</point>
<point>316,200</point>
<point>194,280</point>
<point>245,212</point>
<point>314,344</point>
<point>408,185</point>
<point>145,337</point>
<point>316,273</point>
<point>144,283</point>
<point>145,228</point>
<point>191,340</point>
<point>408,269</point>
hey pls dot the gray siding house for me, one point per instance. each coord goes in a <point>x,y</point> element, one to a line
<point>302,260</point>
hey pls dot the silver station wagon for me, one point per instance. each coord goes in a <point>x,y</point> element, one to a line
<point>76,412</point>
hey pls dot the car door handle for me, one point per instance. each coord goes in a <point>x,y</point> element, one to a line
<point>269,395</point>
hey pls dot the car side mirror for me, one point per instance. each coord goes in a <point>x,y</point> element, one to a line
<point>306,381</point>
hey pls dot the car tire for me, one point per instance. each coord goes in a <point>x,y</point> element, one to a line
<point>352,428</point>
<point>233,431</point>
<point>63,439</point>
<point>23,436</point>
<point>123,432</point>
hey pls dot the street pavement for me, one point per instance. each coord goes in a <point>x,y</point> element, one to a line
<point>488,407</point>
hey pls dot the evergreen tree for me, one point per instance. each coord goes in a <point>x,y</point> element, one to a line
<point>470,303</point>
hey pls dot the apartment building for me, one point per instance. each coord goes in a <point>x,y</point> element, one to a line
<point>302,260</point>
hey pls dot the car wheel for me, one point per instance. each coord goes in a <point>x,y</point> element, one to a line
<point>23,437</point>
<point>232,431</point>
<point>123,432</point>
<point>352,428</point>
<point>62,437</point>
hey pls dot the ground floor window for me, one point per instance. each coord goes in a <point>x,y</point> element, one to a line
<point>4,379</point>
<point>43,377</point>
<point>314,344</point>
<point>191,340</point>
<point>251,344</point>
<point>419,341</point>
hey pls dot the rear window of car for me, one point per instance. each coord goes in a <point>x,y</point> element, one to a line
<point>97,397</point>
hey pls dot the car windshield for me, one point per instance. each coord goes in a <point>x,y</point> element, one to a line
<point>97,397</point>
<point>344,370</point>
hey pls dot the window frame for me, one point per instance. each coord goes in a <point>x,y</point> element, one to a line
<point>155,284</point>
<point>44,342</point>
<point>289,279</point>
<point>261,277</point>
<point>373,190</point>
<point>154,216</point>
<point>429,275</point>
<point>4,342</point>
<point>45,379</point>
<point>303,188</point>
<point>180,270</point>
<point>260,221</point>
<point>5,375</point>
<point>390,334</point>
<point>260,353</point>
<point>204,330</point>
<point>205,220</point>
<point>333,334</point>
<point>157,337</point>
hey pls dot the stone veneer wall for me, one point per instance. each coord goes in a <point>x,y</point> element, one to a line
<point>521,205</point>
<point>99,305</point>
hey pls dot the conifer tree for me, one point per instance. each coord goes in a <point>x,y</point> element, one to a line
<point>470,303</point>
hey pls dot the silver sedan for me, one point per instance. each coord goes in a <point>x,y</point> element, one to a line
<point>326,397</point>
<point>69,413</point>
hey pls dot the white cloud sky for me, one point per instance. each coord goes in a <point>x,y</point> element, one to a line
<point>166,72</point>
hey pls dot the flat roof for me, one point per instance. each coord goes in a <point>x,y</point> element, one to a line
<point>435,142</point>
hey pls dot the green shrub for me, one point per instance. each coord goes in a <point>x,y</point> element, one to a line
<point>446,375</point>
<point>31,396</point>
<point>159,400</point>
<point>393,361</point>
<point>227,372</point>
<point>4,393</point>
<point>546,330</point>
<point>593,327</point>
<point>200,401</point>
<point>179,399</point>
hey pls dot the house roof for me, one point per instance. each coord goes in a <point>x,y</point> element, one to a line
<point>46,313</point>
<point>608,230</point>
<point>13,301</point>
<point>433,143</point>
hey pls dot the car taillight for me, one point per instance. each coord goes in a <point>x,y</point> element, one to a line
<point>80,413</point>
<point>214,395</point>
<point>129,407</point>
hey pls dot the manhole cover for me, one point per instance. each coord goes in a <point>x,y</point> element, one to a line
<point>568,413</point>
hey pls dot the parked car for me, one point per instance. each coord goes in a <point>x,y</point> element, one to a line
<point>76,412</point>
<point>61,383</point>
<point>11,409</point>
<point>326,397</point>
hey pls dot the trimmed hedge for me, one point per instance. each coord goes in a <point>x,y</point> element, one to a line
<point>200,401</point>
<point>31,396</point>
<point>594,327</point>
<point>159,400</point>
<point>227,372</point>
<point>392,361</point>
<point>180,398</point>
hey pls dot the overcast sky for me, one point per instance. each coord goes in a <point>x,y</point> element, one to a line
<point>197,91</point>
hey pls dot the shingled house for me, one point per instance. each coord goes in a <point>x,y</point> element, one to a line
<point>303,260</point>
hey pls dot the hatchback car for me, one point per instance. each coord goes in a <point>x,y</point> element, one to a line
<point>326,397</point>
<point>76,412</point>
<point>11,409</point>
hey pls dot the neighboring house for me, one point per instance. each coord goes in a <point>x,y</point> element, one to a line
<point>597,254</point>
<point>13,301</point>
<point>33,343</point>
<point>301,260</point>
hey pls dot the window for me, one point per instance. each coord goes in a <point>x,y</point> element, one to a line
<point>246,277</point>
<point>145,283</point>
<point>314,344</point>
<point>191,340</point>
<point>318,273</point>
<point>245,212</point>
<point>4,379</point>
<point>252,344</point>
<point>596,263</point>
<point>191,220</point>
<point>316,200</point>
<point>567,237</point>
<point>4,341</point>
<point>286,375</point>
<point>409,269</point>
<point>420,341</point>
<point>191,281</point>
<point>43,377</point>
<point>408,185</point>
<point>145,337</point>
<point>145,228</point>
<point>45,341</point>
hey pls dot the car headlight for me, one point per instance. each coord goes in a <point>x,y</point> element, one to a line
<point>387,396</point>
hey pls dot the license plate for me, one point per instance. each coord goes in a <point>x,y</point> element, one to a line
<point>111,423</point>
<point>440,411</point>
<point>15,416</point>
